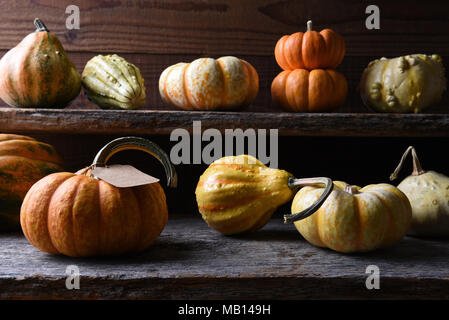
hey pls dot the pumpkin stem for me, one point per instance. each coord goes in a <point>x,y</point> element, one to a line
<point>86,171</point>
<point>417,169</point>
<point>40,25</point>
<point>309,25</point>
<point>351,189</point>
<point>136,143</point>
<point>293,183</point>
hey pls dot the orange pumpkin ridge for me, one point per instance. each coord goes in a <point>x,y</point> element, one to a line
<point>79,215</point>
<point>315,91</point>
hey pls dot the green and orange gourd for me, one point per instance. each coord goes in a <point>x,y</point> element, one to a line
<point>38,72</point>
<point>209,84</point>
<point>353,219</point>
<point>23,161</point>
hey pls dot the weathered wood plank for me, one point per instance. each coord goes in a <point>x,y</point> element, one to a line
<point>233,27</point>
<point>145,122</point>
<point>191,261</point>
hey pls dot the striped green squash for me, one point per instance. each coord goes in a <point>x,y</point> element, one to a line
<point>38,73</point>
<point>113,83</point>
<point>23,161</point>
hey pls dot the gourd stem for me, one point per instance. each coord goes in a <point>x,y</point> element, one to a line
<point>85,170</point>
<point>293,183</point>
<point>351,189</point>
<point>309,25</point>
<point>40,25</point>
<point>417,169</point>
<point>136,143</point>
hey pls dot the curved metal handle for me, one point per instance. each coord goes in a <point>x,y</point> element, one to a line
<point>137,143</point>
<point>292,182</point>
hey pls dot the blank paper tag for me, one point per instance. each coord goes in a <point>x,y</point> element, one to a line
<point>123,176</point>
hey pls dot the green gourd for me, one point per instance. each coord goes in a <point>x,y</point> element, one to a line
<point>404,84</point>
<point>113,83</point>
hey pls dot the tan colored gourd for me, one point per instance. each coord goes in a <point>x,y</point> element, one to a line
<point>353,219</point>
<point>409,83</point>
<point>23,161</point>
<point>428,192</point>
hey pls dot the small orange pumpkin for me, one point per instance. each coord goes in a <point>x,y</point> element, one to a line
<point>79,215</point>
<point>209,84</point>
<point>310,50</point>
<point>315,91</point>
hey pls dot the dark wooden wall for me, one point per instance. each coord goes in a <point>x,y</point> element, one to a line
<point>358,161</point>
<point>156,34</point>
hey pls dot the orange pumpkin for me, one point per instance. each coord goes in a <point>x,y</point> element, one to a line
<point>23,161</point>
<point>38,72</point>
<point>315,91</point>
<point>310,50</point>
<point>79,215</point>
<point>209,84</point>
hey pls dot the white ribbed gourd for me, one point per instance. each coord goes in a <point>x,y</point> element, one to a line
<point>113,83</point>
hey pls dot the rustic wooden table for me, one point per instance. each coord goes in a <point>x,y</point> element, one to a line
<point>192,261</point>
<point>353,144</point>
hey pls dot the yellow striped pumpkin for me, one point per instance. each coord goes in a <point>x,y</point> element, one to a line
<point>354,219</point>
<point>239,193</point>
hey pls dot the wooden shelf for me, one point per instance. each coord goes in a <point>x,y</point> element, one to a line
<point>148,122</point>
<point>192,261</point>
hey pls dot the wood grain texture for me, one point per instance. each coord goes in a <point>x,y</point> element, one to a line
<point>156,34</point>
<point>148,122</point>
<point>191,261</point>
<point>229,27</point>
